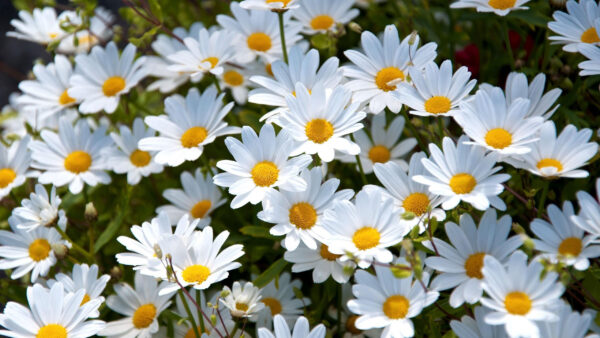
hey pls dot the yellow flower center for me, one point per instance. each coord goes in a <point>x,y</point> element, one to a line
<point>517,303</point>
<point>417,203</point>
<point>550,162</point>
<point>193,136</point>
<point>52,35</point>
<point>570,247</point>
<point>396,307</point>
<point>325,254</point>
<point>65,99</point>
<point>7,175</point>
<point>241,306</point>
<point>52,331</point>
<point>273,304</point>
<point>212,60</point>
<point>86,298</point>
<point>366,238</point>
<point>321,22</point>
<point>351,325</point>
<point>190,333</point>
<point>438,105</point>
<point>590,36</point>
<point>473,265</point>
<point>140,158</point>
<point>386,75</point>
<point>265,174</point>
<point>78,161</point>
<point>379,154</point>
<point>195,274</point>
<point>200,209</point>
<point>319,130</point>
<point>303,215</point>
<point>87,39</point>
<point>144,316</point>
<point>498,138</point>
<point>39,249</point>
<point>260,42</point>
<point>233,78</point>
<point>462,183</point>
<point>502,4</point>
<point>285,2</point>
<point>269,69</point>
<point>113,85</point>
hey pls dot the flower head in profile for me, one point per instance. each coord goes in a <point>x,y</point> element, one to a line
<point>270,4</point>
<point>41,26</point>
<point>498,7</point>
<point>324,16</point>
<point>40,210</point>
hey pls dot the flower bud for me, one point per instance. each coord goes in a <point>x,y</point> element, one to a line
<point>353,26</point>
<point>90,214</point>
<point>60,250</point>
<point>401,271</point>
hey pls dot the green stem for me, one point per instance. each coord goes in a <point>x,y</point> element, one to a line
<point>235,328</point>
<point>74,245</point>
<point>541,207</point>
<point>413,131</point>
<point>360,167</point>
<point>440,124</point>
<point>217,84</point>
<point>189,313</point>
<point>199,309</point>
<point>507,42</point>
<point>282,36</point>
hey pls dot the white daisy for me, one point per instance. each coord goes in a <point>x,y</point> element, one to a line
<point>323,16</point>
<point>498,7</point>
<point>74,156</point>
<point>476,327</point>
<point>183,328</point>
<point>436,91</point>
<point>580,25</point>
<point>385,62</point>
<point>141,307</point>
<point>102,76</point>
<point>53,313</point>
<point>198,199</point>
<point>322,263</point>
<point>99,31</point>
<point>592,65</point>
<point>14,165</point>
<point>589,211</point>
<point>463,172</point>
<point>190,124</point>
<point>237,79</point>
<point>518,296</point>
<point>560,156</point>
<point>242,301</point>
<point>41,26</point>
<point>261,164</point>
<point>270,4</point>
<point>40,210</point>
<point>348,319</point>
<point>363,230</point>
<point>301,329</point>
<point>460,262</point>
<point>570,324</point>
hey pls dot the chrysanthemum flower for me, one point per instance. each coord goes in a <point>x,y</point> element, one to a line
<point>592,65</point>
<point>14,165</point>
<point>42,26</point>
<point>322,263</point>
<point>40,210</point>
<point>580,25</point>
<point>242,301</point>
<point>323,16</point>
<point>301,329</point>
<point>498,7</point>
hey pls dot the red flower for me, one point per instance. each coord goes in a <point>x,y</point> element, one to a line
<point>469,56</point>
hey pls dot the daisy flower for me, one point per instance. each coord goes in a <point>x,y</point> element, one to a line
<point>592,65</point>
<point>323,16</point>
<point>198,199</point>
<point>348,319</point>
<point>589,214</point>
<point>301,329</point>
<point>409,195</point>
<point>102,76</point>
<point>561,156</point>
<point>384,145</point>
<point>518,296</point>
<point>40,210</point>
<point>460,262</point>
<point>261,164</point>
<point>436,91</point>
<point>183,328</point>
<point>74,156</point>
<point>99,30</point>
<point>141,307</point>
<point>42,26</point>
<point>570,324</point>
<point>505,130</point>
<point>242,301</point>
<point>498,7</point>
<point>269,5</point>
<point>580,25</point>
<point>238,81</point>
<point>384,63</point>
<point>476,327</point>
<point>190,124</point>
<point>562,240</point>
<point>51,313</point>
<point>320,119</point>
<point>257,32</point>
<point>128,158</point>
<point>322,263</point>
<point>364,229</point>
<point>463,172</point>
<point>384,301</point>
<point>15,161</point>
<point>47,94</point>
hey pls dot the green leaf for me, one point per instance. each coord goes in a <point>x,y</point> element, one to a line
<point>156,9</point>
<point>268,275</point>
<point>113,227</point>
<point>256,231</point>
<point>320,41</point>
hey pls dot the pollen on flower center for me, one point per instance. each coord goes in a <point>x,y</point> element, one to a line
<point>379,154</point>
<point>396,307</point>
<point>144,316</point>
<point>502,4</point>
<point>462,183</point>
<point>366,238</point>
<point>113,85</point>
<point>52,331</point>
<point>241,306</point>
<point>260,42</point>
<point>473,265</point>
<point>39,249</point>
<point>303,215</point>
<point>200,209</point>
<point>498,138</point>
<point>325,254</point>
<point>212,60</point>
<point>351,325</point>
<point>86,298</point>
<point>386,75</point>
<point>195,274</point>
<point>7,176</point>
<point>517,303</point>
<point>265,174</point>
<point>570,247</point>
<point>273,304</point>
<point>321,22</point>
<point>319,130</point>
<point>550,162</point>
<point>590,36</point>
<point>140,158</point>
<point>65,99</point>
<point>438,105</point>
<point>78,161</point>
<point>417,203</point>
<point>193,136</point>
<point>233,78</point>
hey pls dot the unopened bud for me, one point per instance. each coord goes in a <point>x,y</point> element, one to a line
<point>60,250</point>
<point>116,273</point>
<point>401,271</point>
<point>407,216</point>
<point>353,26</point>
<point>91,214</point>
<point>157,251</point>
<point>413,38</point>
<point>213,319</point>
<point>407,245</point>
<point>224,293</point>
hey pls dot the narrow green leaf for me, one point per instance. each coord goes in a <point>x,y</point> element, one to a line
<point>268,275</point>
<point>256,231</point>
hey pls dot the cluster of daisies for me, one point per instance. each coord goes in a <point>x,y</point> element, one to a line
<point>377,242</point>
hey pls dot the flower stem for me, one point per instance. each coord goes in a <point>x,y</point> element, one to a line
<point>282,36</point>
<point>216,80</point>
<point>542,201</point>
<point>189,313</point>
<point>414,131</point>
<point>360,167</point>
<point>507,42</point>
<point>74,245</point>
